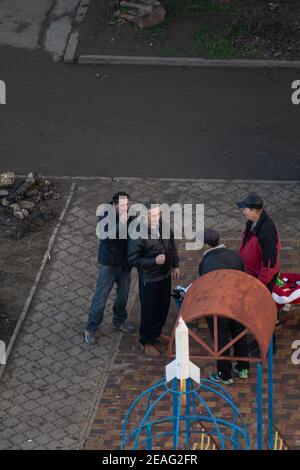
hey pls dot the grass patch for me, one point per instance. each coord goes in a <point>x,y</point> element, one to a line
<point>222,43</point>
<point>205,28</point>
<point>195,7</point>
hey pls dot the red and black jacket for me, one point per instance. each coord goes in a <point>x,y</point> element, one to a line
<point>260,249</point>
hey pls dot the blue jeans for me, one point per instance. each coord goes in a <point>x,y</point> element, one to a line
<point>108,275</point>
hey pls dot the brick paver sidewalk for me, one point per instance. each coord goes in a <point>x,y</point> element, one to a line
<point>54,383</point>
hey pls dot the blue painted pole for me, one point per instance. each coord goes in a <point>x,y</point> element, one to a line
<point>270,397</point>
<point>149,438</point>
<point>259,403</point>
<point>188,413</point>
<point>175,405</point>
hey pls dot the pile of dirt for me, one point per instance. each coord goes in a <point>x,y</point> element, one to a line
<point>24,241</point>
<point>25,203</point>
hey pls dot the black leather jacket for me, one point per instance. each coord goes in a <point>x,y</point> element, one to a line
<point>142,254</point>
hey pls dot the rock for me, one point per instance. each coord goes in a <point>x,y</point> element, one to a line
<point>15,207</point>
<point>19,190</point>
<point>3,193</point>
<point>18,215</point>
<point>156,16</point>
<point>31,178</point>
<point>48,195</point>
<point>32,192</point>
<point>144,13</point>
<point>5,202</point>
<point>25,212</point>
<point>7,179</point>
<point>28,205</point>
<point>38,198</point>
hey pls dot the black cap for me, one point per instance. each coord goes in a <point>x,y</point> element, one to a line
<point>211,236</point>
<point>252,201</point>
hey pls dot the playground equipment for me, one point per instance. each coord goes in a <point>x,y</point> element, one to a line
<point>189,404</point>
<point>240,297</point>
<point>193,421</point>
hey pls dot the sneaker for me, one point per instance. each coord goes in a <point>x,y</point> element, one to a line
<point>125,326</point>
<point>89,337</point>
<point>242,374</point>
<point>150,350</point>
<point>216,378</point>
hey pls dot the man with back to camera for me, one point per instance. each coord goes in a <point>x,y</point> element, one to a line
<point>157,261</point>
<point>113,268</point>
<point>217,256</point>
<point>260,247</point>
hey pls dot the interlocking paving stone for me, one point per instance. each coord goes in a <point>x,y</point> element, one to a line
<point>60,377</point>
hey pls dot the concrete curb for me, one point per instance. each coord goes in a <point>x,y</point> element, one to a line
<point>37,279</point>
<point>179,180</point>
<point>184,62</point>
<point>70,51</point>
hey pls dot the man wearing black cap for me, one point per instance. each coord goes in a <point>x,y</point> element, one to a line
<point>260,246</point>
<point>219,257</point>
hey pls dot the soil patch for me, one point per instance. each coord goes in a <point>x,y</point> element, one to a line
<point>212,29</point>
<point>21,259</point>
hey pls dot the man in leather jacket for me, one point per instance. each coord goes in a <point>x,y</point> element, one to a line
<point>157,261</point>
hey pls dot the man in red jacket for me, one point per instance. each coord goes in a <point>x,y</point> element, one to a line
<point>260,246</point>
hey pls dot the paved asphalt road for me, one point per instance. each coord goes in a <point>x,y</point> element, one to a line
<point>142,121</point>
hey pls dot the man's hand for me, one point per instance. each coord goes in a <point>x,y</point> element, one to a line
<point>123,217</point>
<point>160,259</point>
<point>175,274</point>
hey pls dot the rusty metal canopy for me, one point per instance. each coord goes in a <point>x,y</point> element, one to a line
<point>235,295</point>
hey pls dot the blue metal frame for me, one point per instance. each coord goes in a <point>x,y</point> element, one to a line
<point>270,397</point>
<point>192,397</point>
<point>238,437</point>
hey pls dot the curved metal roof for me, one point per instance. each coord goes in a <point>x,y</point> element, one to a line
<point>235,295</point>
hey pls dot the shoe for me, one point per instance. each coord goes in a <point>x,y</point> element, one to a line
<point>125,326</point>
<point>150,350</point>
<point>89,337</point>
<point>216,378</point>
<point>160,345</point>
<point>242,374</point>
<point>164,338</point>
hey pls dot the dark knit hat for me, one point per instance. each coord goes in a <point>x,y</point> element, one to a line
<point>211,236</point>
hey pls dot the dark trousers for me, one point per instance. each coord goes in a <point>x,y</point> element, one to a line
<point>254,345</point>
<point>155,303</point>
<point>107,277</point>
<point>227,330</point>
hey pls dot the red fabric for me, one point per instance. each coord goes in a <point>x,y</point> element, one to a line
<point>251,254</point>
<point>288,288</point>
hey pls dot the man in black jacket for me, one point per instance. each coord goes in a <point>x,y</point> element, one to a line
<point>113,268</point>
<point>157,260</point>
<point>219,257</point>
